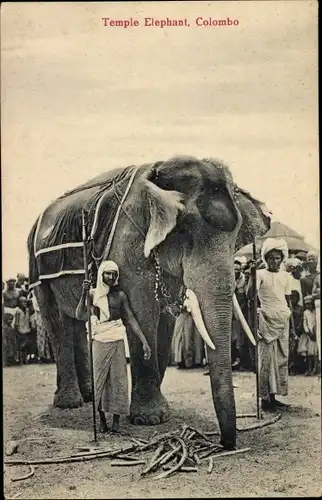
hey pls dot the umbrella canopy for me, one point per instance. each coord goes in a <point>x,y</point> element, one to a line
<point>294,240</point>
<point>279,230</point>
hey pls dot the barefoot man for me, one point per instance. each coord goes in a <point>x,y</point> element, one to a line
<point>274,290</point>
<point>110,314</point>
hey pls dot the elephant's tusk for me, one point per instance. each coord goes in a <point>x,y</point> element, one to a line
<point>244,323</point>
<point>192,305</point>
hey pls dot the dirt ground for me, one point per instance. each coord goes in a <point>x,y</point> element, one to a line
<point>284,460</point>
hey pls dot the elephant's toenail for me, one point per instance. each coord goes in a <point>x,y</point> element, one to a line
<point>139,421</point>
<point>154,420</point>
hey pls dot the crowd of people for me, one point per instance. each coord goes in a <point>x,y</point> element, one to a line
<point>287,333</point>
<point>24,336</point>
<point>303,331</point>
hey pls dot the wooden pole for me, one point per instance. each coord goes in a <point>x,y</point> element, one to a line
<point>254,325</point>
<point>89,323</point>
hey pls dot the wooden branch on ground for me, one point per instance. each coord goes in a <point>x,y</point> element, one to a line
<point>70,459</point>
<point>154,459</point>
<point>181,450</point>
<point>179,464</point>
<point>17,495</point>
<point>261,424</point>
<point>118,463</point>
<point>229,453</point>
<point>26,476</point>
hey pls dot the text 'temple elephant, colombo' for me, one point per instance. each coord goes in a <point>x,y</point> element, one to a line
<point>181,220</point>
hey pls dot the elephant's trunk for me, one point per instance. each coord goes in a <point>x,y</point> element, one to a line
<point>216,309</point>
<point>218,321</point>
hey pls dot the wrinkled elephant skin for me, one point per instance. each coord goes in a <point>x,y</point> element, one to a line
<point>188,213</point>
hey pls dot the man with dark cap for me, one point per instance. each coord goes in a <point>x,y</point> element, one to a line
<point>308,280</point>
<point>22,284</point>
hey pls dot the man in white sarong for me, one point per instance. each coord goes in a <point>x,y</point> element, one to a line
<point>110,313</point>
<point>187,345</point>
<point>274,290</point>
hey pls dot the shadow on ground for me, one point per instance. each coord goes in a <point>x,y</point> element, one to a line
<point>82,419</point>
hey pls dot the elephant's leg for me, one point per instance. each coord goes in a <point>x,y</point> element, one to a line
<point>82,363</point>
<point>67,394</point>
<point>148,406</point>
<point>165,333</point>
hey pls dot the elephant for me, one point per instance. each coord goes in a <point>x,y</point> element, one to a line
<point>178,226</point>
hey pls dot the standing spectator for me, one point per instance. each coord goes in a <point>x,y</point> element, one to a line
<point>297,313</point>
<point>307,281</point>
<point>10,297</point>
<point>316,295</point>
<point>9,341</point>
<point>43,342</point>
<point>308,344</point>
<point>187,345</point>
<point>22,326</point>
<point>302,256</point>
<point>274,292</point>
<point>22,284</point>
<point>240,343</point>
<point>294,268</point>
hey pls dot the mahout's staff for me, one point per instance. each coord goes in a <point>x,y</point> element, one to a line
<point>84,236</point>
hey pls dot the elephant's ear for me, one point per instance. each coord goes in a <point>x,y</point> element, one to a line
<point>165,207</point>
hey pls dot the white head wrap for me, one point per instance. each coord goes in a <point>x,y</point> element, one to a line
<point>102,290</point>
<point>293,262</point>
<point>311,253</point>
<point>242,260</point>
<point>274,244</point>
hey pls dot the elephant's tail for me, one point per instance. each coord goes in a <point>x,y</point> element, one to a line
<point>49,313</point>
<point>33,268</point>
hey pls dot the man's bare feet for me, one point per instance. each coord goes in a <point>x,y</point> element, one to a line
<point>115,429</point>
<point>103,427</point>
<point>103,424</point>
<point>116,424</point>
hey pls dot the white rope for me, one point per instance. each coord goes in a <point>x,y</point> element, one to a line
<point>59,247</point>
<point>37,231</point>
<point>80,244</point>
<point>111,236</point>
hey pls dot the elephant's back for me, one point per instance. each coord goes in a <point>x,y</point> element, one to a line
<point>58,229</point>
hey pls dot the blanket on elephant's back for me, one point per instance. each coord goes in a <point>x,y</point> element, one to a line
<point>57,235</point>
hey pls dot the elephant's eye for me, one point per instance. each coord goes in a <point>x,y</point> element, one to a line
<point>213,188</point>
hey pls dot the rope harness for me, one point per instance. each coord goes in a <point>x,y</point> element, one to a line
<point>162,294</point>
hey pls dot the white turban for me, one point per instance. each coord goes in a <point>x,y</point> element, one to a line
<point>102,290</point>
<point>293,262</point>
<point>274,244</point>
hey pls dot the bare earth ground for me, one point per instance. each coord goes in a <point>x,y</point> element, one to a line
<point>284,460</point>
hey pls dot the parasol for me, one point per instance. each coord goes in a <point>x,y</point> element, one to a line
<point>294,240</point>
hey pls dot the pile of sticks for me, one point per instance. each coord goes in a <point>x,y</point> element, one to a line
<point>182,450</point>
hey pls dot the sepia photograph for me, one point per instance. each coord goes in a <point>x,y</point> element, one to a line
<point>161,331</point>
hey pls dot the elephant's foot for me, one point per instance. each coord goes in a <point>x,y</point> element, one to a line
<point>70,398</point>
<point>87,397</point>
<point>150,409</point>
<point>228,442</point>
